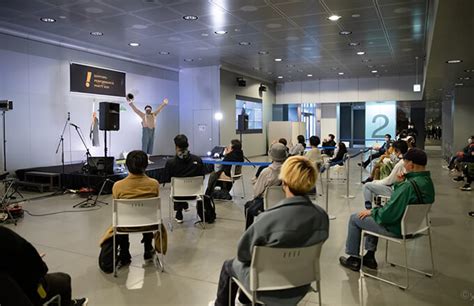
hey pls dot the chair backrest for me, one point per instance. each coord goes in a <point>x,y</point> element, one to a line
<point>235,172</point>
<point>136,212</point>
<point>284,268</point>
<point>272,196</point>
<point>187,186</point>
<point>415,219</point>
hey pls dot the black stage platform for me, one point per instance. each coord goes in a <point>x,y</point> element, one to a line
<point>74,178</point>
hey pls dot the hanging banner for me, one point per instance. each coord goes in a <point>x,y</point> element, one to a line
<point>94,80</point>
<point>380,119</point>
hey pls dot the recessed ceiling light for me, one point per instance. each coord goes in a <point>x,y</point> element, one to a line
<point>263,52</point>
<point>163,53</point>
<point>340,73</point>
<point>47,19</point>
<point>467,78</point>
<point>280,77</point>
<point>360,53</point>
<point>278,60</point>
<point>220,32</point>
<point>244,43</point>
<point>355,15</point>
<point>366,60</point>
<point>458,84</point>
<point>334,17</point>
<point>468,70</point>
<point>62,17</point>
<point>309,75</point>
<point>204,34</point>
<point>354,44</point>
<point>345,32</point>
<point>374,71</point>
<point>190,17</point>
<point>97,33</point>
<point>188,60</point>
<point>454,61</point>
<point>133,44</point>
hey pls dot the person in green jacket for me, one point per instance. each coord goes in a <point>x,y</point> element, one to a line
<point>386,220</point>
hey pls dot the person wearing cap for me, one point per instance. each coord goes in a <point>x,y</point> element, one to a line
<point>183,164</point>
<point>148,123</point>
<point>379,151</point>
<point>416,187</point>
<point>268,177</point>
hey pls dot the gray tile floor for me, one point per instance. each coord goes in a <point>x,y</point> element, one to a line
<point>70,241</point>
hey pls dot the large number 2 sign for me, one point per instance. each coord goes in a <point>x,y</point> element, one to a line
<point>385,121</point>
<point>380,119</point>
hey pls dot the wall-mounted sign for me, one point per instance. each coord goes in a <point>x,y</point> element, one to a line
<point>380,119</point>
<point>99,81</point>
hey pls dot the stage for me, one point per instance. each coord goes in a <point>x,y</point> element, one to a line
<point>74,178</point>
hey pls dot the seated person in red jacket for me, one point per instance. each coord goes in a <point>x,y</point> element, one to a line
<point>24,273</point>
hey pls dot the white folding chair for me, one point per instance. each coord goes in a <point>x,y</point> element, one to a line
<point>272,196</point>
<point>282,268</point>
<point>236,174</point>
<point>132,215</point>
<point>415,222</point>
<point>190,187</point>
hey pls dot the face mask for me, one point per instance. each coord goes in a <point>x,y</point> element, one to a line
<point>469,140</point>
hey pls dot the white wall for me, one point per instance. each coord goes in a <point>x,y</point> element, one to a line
<point>253,144</point>
<point>329,120</point>
<point>462,116</point>
<point>348,90</point>
<point>36,77</point>
<point>199,91</point>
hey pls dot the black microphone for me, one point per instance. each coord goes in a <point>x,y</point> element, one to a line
<point>68,116</point>
<point>74,125</point>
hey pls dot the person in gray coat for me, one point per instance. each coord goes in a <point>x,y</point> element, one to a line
<point>294,222</point>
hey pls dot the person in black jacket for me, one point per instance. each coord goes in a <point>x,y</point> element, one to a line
<point>329,143</point>
<point>379,151</point>
<point>22,268</point>
<point>184,164</point>
<point>232,153</point>
<point>338,159</point>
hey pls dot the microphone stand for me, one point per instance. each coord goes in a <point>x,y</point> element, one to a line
<point>61,140</point>
<point>86,203</point>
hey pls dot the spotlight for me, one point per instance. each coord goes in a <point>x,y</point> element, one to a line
<point>262,88</point>
<point>241,82</point>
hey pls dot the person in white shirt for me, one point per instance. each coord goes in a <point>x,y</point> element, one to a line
<point>148,123</point>
<point>314,154</point>
<point>383,187</point>
<point>298,149</point>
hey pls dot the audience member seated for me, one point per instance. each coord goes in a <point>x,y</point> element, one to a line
<point>24,277</point>
<point>379,151</point>
<point>314,154</point>
<point>341,150</point>
<point>260,169</point>
<point>329,143</point>
<point>458,162</point>
<point>415,188</point>
<point>467,160</point>
<point>298,149</point>
<point>232,153</point>
<point>183,164</point>
<point>294,222</point>
<point>384,163</point>
<point>268,177</point>
<point>137,185</point>
<point>384,186</point>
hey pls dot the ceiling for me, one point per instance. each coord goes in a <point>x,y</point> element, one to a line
<point>390,32</point>
<point>453,38</point>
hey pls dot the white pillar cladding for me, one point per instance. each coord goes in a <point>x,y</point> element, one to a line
<point>348,90</point>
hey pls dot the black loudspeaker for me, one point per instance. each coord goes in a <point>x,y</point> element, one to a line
<point>100,165</point>
<point>109,116</point>
<point>243,122</point>
<point>241,82</point>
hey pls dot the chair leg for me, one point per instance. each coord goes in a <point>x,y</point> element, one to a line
<point>243,185</point>
<point>318,285</point>
<point>386,251</point>
<point>431,253</point>
<point>114,254</point>
<point>162,263</point>
<point>406,263</point>
<point>230,291</point>
<point>170,210</point>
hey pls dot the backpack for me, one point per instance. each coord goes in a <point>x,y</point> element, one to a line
<point>222,194</point>
<point>209,208</point>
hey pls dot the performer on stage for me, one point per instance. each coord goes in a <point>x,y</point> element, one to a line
<point>148,123</point>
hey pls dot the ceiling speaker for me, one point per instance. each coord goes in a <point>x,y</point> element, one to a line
<point>241,82</point>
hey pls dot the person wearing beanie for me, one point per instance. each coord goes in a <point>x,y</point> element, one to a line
<point>183,164</point>
<point>268,177</point>
<point>415,187</point>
